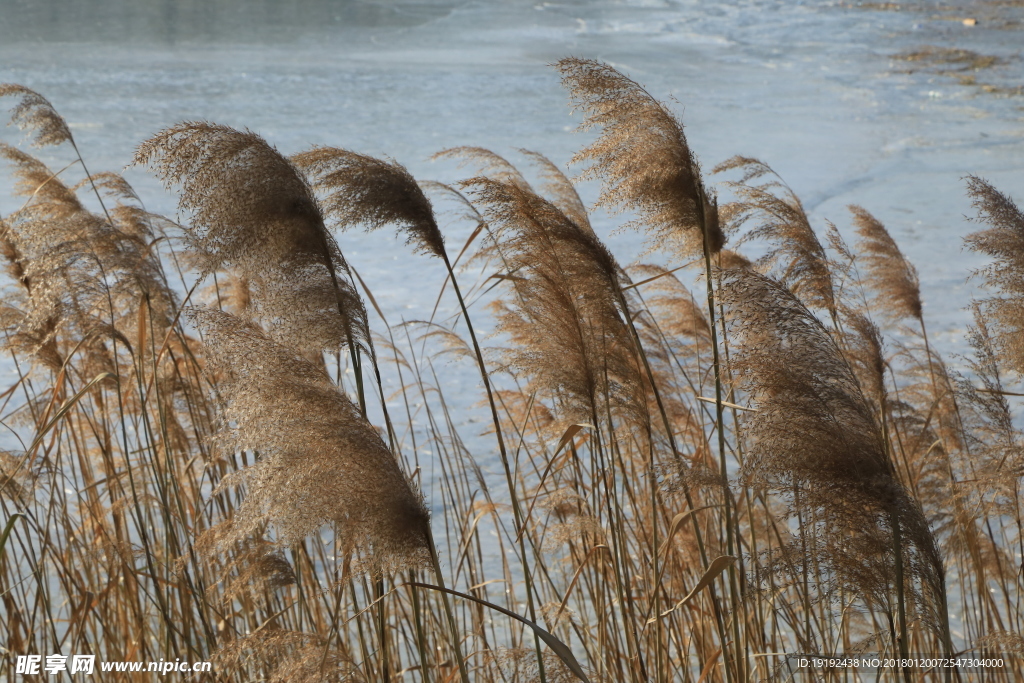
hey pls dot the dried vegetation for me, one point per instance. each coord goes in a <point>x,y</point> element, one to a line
<point>195,470</point>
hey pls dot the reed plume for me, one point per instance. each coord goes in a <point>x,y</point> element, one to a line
<point>285,656</point>
<point>486,162</point>
<point>361,189</point>
<point>252,211</point>
<point>566,330</point>
<point>863,348</point>
<point>1003,242</point>
<point>79,272</point>
<point>992,423</point>
<point>571,339</point>
<point>817,398</point>
<point>890,274</point>
<point>997,455</point>
<point>642,158</point>
<point>679,314</point>
<point>780,218</point>
<point>559,190</point>
<point>35,113</point>
<point>320,461</point>
<point>251,569</point>
<point>646,165</point>
<point>926,416</point>
<point>675,338</point>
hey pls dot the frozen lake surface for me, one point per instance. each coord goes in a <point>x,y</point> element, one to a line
<point>815,89</point>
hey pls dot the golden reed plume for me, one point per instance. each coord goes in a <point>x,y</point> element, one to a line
<point>642,158</point>
<point>1003,242</point>
<point>781,220</point>
<point>320,461</point>
<point>252,211</point>
<point>815,432</point>
<point>361,189</point>
<point>890,274</point>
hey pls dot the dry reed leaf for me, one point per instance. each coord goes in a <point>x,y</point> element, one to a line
<point>717,566</point>
<point>709,666</point>
<point>676,523</point>
<point>6,533</point>
<point>563,652</point>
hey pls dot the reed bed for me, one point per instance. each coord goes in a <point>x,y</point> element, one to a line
<point>698,471</point>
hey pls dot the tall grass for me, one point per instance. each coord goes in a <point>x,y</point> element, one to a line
<point>217,445</point>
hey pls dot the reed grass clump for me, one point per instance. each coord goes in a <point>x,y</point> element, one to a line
<point>687,489</point>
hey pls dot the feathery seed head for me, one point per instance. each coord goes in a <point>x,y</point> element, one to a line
<point>781,219</point>
<point>560,190</point>
<point>488,164</point>
<point>812,421</point>
<point>80,272</point>
<point>565,321</point>
<point>1003,242</point>
<point>364,190</point>
<point>890,274</point>
<point>320,461</point>
<point>35,113</point>
<point>642,157</point>
<point>816,433</point>
<point>246,200</point>
<point>253,211</point>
